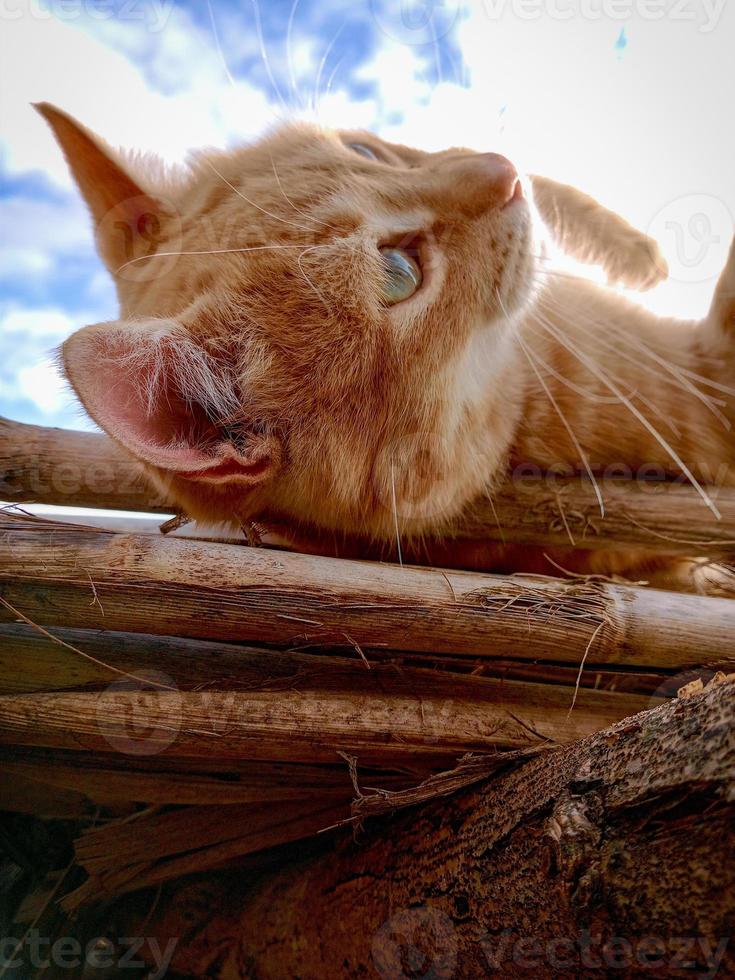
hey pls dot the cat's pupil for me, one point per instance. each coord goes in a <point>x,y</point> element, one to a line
<point>403,275</point>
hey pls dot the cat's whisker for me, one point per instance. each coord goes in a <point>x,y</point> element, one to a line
<point>395,513</point>
<point>289,201</point>
<point>215,34</point>
<point>609,400</point>
<point>587,393</point>
<point>210,251</point>
<point>328,87</point>
<point>289,48</point>
<point>565,422</point>
<point>265,59</point>
<point>709,401</point>
<point>596,338</point>
<point>306,278</point>
<point>636,412</point>
<point>676,372</point>
<point>270,214</point>
<point>322,63</point>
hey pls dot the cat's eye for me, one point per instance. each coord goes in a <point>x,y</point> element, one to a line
<point>403,275</point>
<point>363,150</point>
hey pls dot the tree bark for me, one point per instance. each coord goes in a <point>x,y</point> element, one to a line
<point>609,857</point>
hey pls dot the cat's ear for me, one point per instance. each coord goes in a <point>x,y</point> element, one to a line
<point>167,402</point>
<point>130,220</point>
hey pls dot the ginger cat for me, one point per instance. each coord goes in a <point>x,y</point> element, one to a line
<point>331,332</point>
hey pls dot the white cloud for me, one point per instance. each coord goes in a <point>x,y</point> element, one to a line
<point>42,385</point>
<point>23,262</point>
<point>53,225</point>
<point>49,323</point>
<point>28,374</point>
<point>44,58</point>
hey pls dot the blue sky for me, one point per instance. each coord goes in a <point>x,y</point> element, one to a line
<point>632,106</point>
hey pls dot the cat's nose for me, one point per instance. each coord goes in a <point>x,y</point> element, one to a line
<point>501,177</point>
<point>479,182</point>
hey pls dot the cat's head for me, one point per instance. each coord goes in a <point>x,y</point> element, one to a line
<point>317,326</point>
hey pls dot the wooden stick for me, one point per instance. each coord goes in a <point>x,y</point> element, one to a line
<point>59,575</point>
<point>78,469</point>
<point>30,661</point>
<point>113,778</point>
<point>309,726</point>
<point>83,469</point>
<point>210,835</point>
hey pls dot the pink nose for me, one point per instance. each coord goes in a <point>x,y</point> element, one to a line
<point>500,175</point>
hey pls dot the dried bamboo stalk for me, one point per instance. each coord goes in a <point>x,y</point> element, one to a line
<point>110,778</point>
<point>30,661</point>
<point>60,575</point>
<point>21,794</point>
<point>310,726</point>
<point>79,469</point>
<point>83,469</point>
<point>164,834</point>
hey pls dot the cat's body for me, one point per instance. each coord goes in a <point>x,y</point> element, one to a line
<point>260,372</point>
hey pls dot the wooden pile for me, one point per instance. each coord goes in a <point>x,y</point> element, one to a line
<point>211,700</point>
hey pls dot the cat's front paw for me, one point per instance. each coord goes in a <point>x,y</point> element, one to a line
<point>637,264</point>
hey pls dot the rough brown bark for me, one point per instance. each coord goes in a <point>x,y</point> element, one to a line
<point>84,469</point>
<point>612,856</point>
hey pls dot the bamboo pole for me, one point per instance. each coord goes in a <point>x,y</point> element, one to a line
<point>60,575</point>
<point>111,778</point>
<point>83,469</point>
<point>30,661</point>
<point>79,469</point>
<point>310,726</point>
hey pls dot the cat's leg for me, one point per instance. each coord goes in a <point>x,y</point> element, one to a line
<point>721,318</point>
<point>591,233</point>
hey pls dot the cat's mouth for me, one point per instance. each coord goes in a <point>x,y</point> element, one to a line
<point>516,196</point>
